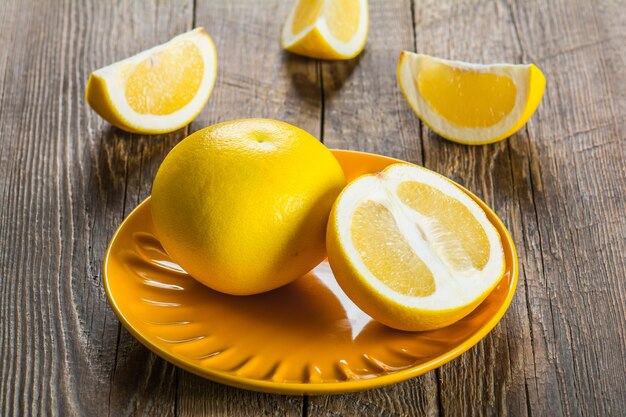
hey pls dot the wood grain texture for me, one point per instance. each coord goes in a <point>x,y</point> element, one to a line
<point>255,79</point>
<point>489,379</point>
<point>67,179</point>
<point>364,110</point>
<point>576,157</point>
<point>363,107</point>
<point>549,361</point>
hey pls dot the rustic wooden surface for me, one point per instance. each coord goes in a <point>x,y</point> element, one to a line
<point>67,179</point>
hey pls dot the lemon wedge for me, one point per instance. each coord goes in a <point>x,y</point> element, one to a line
<point>158,90</point>
<point>411,249</point>
<point>326,29</point>
<point>470,103</point>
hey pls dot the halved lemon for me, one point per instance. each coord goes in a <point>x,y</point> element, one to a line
<point>470,103</point>
<point>158,90</point>
<point>326,29</point>
<point>411,249</point>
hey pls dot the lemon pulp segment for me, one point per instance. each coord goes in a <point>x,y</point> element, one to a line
<point>386,253</point>
<point>412,249</point>
<point>326,29</point>
<point>306,14</point>
<point>343,18</point>
<point>166,81</point>
<point>459,238</point>
<point>465,97</point>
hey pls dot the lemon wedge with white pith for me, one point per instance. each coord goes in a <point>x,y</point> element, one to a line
<point>158,90</point>
<point>470,103</point>
<point>326,29</point>
<point>411,249</point>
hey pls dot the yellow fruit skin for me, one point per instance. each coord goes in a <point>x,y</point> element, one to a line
<point>243,205</point>
<point>384,310</point>
<point>537,86</point>
<point>98,97</point>
<point>314,45</point>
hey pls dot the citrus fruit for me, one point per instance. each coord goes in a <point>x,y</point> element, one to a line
<point>326,29</point>
<point>470,103</point>
<point>158,90</point>
<point>411,249</point>
<point>242,206</point>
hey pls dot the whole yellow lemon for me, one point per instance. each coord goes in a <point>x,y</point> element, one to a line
<point>242,205</point>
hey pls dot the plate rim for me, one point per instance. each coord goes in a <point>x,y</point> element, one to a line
<point>305,388</point>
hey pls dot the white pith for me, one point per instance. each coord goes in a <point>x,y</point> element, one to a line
<point>453,288</point>
<point>343,48</point>
<point>410,64</point>
<point>115,77</point>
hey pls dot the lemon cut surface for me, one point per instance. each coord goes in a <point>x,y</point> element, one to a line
<point>470,103</point>
<point>326,29</point>
<point>158,90</point>
<point>411,249</point>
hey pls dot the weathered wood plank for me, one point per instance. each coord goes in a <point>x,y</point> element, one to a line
<point>364,110</point>
<point>140,383</point>
<point>199,397</point>
<point>68,177</point>
<point>551,385</point>
<point>255,79</point>
<point>363,107</point>
<point>489,379</point>
<point>575,154</point>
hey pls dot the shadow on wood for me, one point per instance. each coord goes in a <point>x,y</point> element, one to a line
<point>338,73</point>
<point>308,89</point>
<point>122,156</point>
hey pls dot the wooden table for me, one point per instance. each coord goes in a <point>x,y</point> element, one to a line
<point>67,179</point>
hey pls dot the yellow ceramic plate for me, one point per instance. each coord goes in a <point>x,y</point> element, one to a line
<point>304,338</point>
